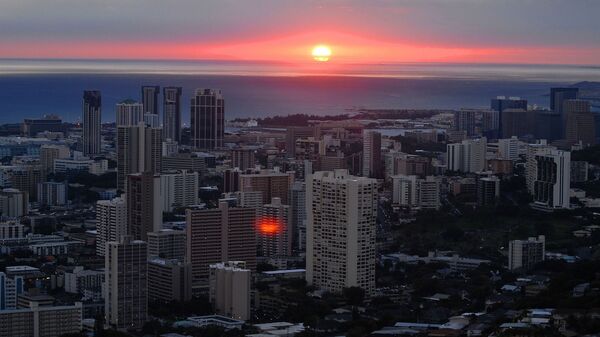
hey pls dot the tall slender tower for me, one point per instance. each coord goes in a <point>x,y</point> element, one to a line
<point>150,99</point>
<point>139,149</point>
<point>91,122</point>
<point>126,284</point>
<point>172,113</point>
<point>340,231</point>
<point>372,154</point>
<point>207,116</point>
<point>111,222</point>
<point>129,113</point>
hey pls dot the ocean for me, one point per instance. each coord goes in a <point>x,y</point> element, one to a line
<point>32,88</point>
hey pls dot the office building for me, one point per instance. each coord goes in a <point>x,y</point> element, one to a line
<point>488,190</point>
<point>219,234</point>
<point>150,99</point>
<point>144,204</point>
<point>51,193</point>
<point>579,171</point>
<point>178,189</point>
<point>518,122</point>
<point>172,113</point>
<point>48,154</point>
<point>81,164</point>
<point>580,122</point>
<point>467,156</point>
<point>207,119</point>
<point>372,154</point>
<point>25,178</point>
<point>229,292</point>
<point>81,280</point>
<point>502,103</point>
<point>508,148</point>
<point>139,149</point>
<point>13,203</point>
<point>464,120</point>
<point>415,193</point>
<point>242,158</point>
<point>48,123</point>
<point>490,123</point>
<point>310,149</point>
<point>111,222</point>
<point>10,230</point>
<point>231,180</point>
<point>548,125</point>
<point>169,280</point>
<point>186,162</point>
<point>340,231</point>
<point>551,186</point>
<point>558,96</point>
<point>92,123</point>
<point>524,254</point>
<point>41,321</point>
<point>129,113</point>
<point>10,289</point>
<point>293,134</point>
<point>126,284</point>
<point>167,244</point>
<point>273,229</point>
<point>272,184</point>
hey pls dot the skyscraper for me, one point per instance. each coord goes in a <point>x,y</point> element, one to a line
<point>178,189</point>
<point>229,293</point>
<point>467,156</point>
<point>126,282</point>
<point>372,154</point>
<point>501,103</point>
<point>552,183</point>
<point>150,99</point>
<point>298,220</point>
<point>49,153</point>
<point>172,113</point>
<point>139,149</point>
<point>92,120</point>
<point>219,234</point>
<point>111,222</point>
<point>557,98</point>
<point>272,184</point>
<point>464,120</point>
<point>580,122</point>
<point>207,119</point>
<point>144,204</point>
<point>129,113</point>
<point>340,231</point>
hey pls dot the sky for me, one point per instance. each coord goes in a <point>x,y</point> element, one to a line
<point>357,31</point>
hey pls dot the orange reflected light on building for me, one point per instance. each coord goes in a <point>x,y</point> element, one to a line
<point>269,226</point>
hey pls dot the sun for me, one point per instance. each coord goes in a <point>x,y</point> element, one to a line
<point>321,53</point>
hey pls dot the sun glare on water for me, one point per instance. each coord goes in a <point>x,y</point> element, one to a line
<point>321,53</point>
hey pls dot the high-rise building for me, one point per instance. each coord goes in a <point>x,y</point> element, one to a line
<point>92,121</point>
<point>579,171</point>
<point>298,220</point>
<point>340,231</point>
<point>464,120</point>
<point>219,234</point>
<point>531,163</point>
<point>10,289</point>
<point>372,154</point>
<point>551,187</point>
<point>111,222</point>
<point>272,184</point>
<point>293,134</point>
<point>51,193</point>
<point>490,123</point>
<point>51,123</point>
<point>37,320</point>
<point>144,204</point>
<point>207,119</point>
<point>524,254</point>
<point>273,229</point>
<point>467,156</point>
<point>249,199</point>
<point>172,113</point>
<point>518,122</point>
<point>150,99</point>
<point>129,113</point>
<point>229,289</point>
<point>548,125</point>
<point>167,243</point>
<point>169,280</point>
<point>580,122</point>
<point>557,98</point>
<point>48,154</point>
<point>242,158</point>
<point>414,193</point>
<point>508,148</point>
<point>178,189</point>
<point>13,203</point>
<point>126,282</point>
<point>186,161</point>
<point>139,149</point>
<point>488,190</point>
<point>501,103</point>
<point>11,230</point>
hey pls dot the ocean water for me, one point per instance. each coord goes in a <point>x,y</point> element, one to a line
<point>31,88</point>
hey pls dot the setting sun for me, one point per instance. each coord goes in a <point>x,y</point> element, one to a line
<point>321,53</point>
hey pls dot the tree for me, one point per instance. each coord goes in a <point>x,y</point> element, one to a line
<point>354,295</point>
